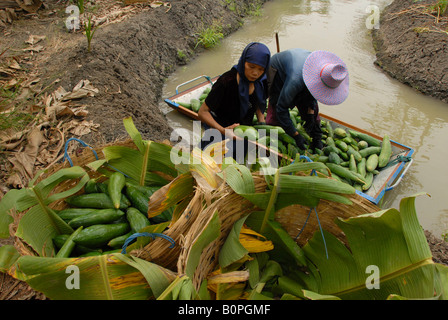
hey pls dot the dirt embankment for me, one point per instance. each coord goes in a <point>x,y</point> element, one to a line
<point>412,45</point>
<point>130,60</point>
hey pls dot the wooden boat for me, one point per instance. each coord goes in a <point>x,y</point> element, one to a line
<point>387,178</point>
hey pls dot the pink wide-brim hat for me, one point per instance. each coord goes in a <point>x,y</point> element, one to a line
<point>326,77</point>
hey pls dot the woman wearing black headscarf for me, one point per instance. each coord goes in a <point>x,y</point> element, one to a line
<point>236,96</point>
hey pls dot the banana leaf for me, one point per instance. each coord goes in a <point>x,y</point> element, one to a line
<point>391,241</point>
<point>241,242</point>
<point>286,188</point>
<point>254,242</point>
<point>228,285</point>
<point>180,289</point>
<point>232,250</point>
<point>210,233</point>
<point>6,204</point>
<point>240,179</point>
<point>157,277</point>
<point>204,169</point>
<point>8,256</point>
<point>113,276</point>
<point>40,223</point>
<point>180,188</point>
<point>286,249</point>
<point>267,272</point>
<point>142,164</point>
<point>230,291</point>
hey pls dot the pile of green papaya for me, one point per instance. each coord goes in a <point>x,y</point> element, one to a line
<point>352,157</point>
<point>105,215</point>
<point>196,103</point>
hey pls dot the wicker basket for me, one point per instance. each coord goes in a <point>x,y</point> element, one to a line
<point>294,218</point>
<point>231,207</point>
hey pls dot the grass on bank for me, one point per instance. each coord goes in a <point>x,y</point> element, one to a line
<point>211,36</point>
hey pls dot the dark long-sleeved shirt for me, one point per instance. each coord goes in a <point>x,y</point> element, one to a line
<point>288,88</point>
<point>224,103</point>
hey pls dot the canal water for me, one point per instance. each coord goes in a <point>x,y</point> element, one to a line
<point>377,103</point>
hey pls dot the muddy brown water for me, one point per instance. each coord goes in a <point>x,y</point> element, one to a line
<point>376,103</point>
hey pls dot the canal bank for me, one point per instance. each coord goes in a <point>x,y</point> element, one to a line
<point>130,57</point>
<point>411,45</point>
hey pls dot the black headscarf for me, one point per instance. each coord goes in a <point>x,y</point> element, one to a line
<point>259,54</point>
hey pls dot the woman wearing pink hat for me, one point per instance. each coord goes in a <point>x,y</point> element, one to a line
<point>300,78</point>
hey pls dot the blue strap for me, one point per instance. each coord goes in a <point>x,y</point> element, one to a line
<point>399,158</point>
<point>320,227</point>
<point>306,221</point>
<point>306,158</point>
<point>66,156</point>
<point>146,234</point>
<point>321,232</point>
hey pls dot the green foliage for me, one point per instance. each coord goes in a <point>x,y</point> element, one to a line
<point>230,4</point>
<point>80,4</point>
<point>441,6</point>
<point>445,236</point>
<point>209,37</point>
<point>254,9</point>
<point>90,31</point>
<point>181,55</point>
<point>15,119</point>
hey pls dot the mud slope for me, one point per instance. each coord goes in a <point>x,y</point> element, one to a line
<point>130,61</point>
<point>412,46</point>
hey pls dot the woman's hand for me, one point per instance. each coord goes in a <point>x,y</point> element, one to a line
<point>260,116</point>
<point>228,132</point>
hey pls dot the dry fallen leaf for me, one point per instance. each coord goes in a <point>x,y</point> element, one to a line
<point>7,15</point>
<point>57,110</point>
<point>23,162</point>
<point>9,135</point>
<point>81,90</point>
<point>33,39</point>
<point>30,82</point>
<point>59,93</point>
<point>82,128</point>
<point>13,64</point>
<point>80,112</point>
<point>38,48</point>
<point>15,181</point>
<point>51,148</point>
<point>11,145</point>
<point>11,83</point>
<point>41,144</point>
<point>6,72</point>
